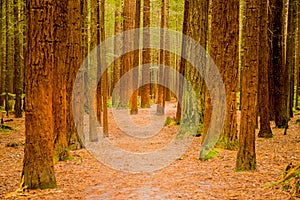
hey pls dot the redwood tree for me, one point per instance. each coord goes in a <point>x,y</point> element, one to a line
<point>224,51</point>
<point>38,166</point>
<point>246,157</point>
<point>263,75</point>
<point>145,89</point>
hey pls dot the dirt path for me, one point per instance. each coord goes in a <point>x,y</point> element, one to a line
<point>187,178</point>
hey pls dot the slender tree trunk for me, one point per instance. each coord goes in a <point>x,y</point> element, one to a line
<point>74,62</point>
<point>104,81</point>
<point>38,165</point>
<point>271,18</point>
<point>246,157</point>
<point>2,72</point>
<point>297,62</point>
<point>59,81</point>
<point>280,70</point>
<point>136,60</point>
<point>117,51</point>
<point>93,104</point>
<point>263,76</point>
<point>290,54</point>
<point>7,57</point>
<point>160,98</point>
<point>17,63</point>
<point>146,60</point>
<point>127,59</point>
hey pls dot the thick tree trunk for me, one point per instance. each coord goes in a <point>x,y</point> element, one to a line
<point>246,157</point>
<point>38,166</point>
<point>224,51</point>
<point>263,76</point>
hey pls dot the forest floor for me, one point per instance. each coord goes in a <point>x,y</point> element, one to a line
<point>84,177</point>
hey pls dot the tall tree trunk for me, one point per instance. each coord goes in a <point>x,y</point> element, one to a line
<point>290,54</point>
<point>182,61</point>
<point>104,81</point>
<point>297,62</point>
<point>127,59</point>
<point>117,51</point>
<point>18,82</point>
<point>146,60</point>
<point>271,18</point>
<point>224,51</point>
<point>246,157</point>
<point>2,72</point>
<point>263,76</point>
<point>59,81</point>
<point>93,104</point>
<point>280,70</point>
<point>7,57</point>
<point>74,61</point>
<point>160,98</point>
<point>38,165</point>
<point>136,59</point>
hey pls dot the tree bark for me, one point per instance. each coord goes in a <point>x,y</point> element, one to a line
<point>263,76</point>
<point>224,51</point>
<point>246,157</point>
<point>146,60</point>
<point>38,166</point>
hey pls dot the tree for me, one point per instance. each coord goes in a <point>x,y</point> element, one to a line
<point>145,89</point>
<point>38,166</point>
<point>74,61</point>
<point>18,79</point>
<point>136,59</point>
<point>163,24</point>
<point>224,51</point>
<point>59,104</point>
<point>263,76</point>
<point>246,157</point>
<point>290,54</point>
<point>279,68</point>
<point>127,58</point>
<point>117,50</point>
<point>2,68</point>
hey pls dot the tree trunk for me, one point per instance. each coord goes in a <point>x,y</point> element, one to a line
<point>224,51</point>
<point>18,82</point>
<point>290,54</point>
<point>280,70</point>
<point>74,56</point>
<point>160,97</point>
<point>127,59</point>
<point>136,60</point>
<point>104,81</point>
<point>246,157</point>
<point>2,73</point>
<point>263,76</point>
<point>59,81</point>
<point>146,60</point>
<point>38,166</point>
<point>117,51</point>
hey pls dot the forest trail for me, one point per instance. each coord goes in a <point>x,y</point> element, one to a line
<point>84,177</point>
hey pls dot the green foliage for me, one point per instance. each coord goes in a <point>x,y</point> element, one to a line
<point>170,122</point>
<point>212,154</point>
<point>298,121</point>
